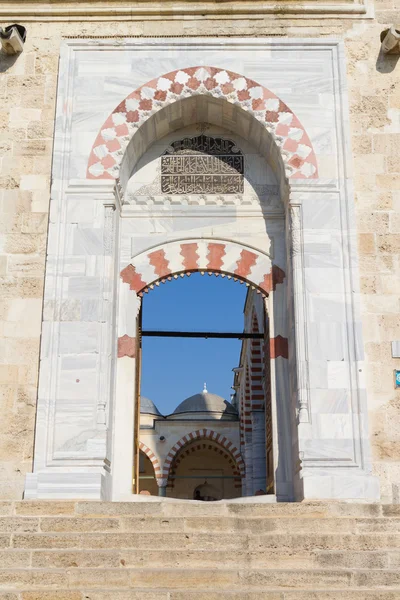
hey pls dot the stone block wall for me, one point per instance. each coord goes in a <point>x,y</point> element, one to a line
<point>28,85</point>
<point>374,96</point>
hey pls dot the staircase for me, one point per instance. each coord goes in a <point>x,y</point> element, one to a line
<point>165,550</point>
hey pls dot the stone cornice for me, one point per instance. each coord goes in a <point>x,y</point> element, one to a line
<point>59,10</point>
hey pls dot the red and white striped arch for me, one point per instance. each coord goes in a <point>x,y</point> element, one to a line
<point>153,458</point>
<point>203,434</point>
<point>199,445</point>
<point>226,257</point>
<point>170,260</point>
<point>126,119</point>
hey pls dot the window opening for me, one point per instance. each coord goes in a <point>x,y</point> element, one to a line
<point>190,334</point>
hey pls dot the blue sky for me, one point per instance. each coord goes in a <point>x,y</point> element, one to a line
<point>175,368</point>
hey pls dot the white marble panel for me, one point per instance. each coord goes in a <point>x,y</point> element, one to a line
<point>324,281</point>
<point>84,287</point>
<point>79,337</point>
<point>331,401</point>
<point>328,341</point>
<point>335,425</point>
<point>328,449</point>
<point>338,375</point>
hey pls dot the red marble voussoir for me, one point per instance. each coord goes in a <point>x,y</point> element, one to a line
<point>129,275</point>
<point>258,104</point>
<point>132,116</point>
<point>271,116</point>
<point>245,263</point>
<point>272,279</point>
<point>243,95</point>
<point>108,161</point>
<point>193,83</point>
<point>160,95</point>
<point>216,252</point>
<point>122,130</point>
<point>227,88</point>
<point>210,83</point>
<point>278,346</point>
<point>296,162</point>
<point>176,88</point>
<point>113,145</point>
<point>146,104</point>
<point>190,256</point>
<point>159,262</point>
<point>126,346</point>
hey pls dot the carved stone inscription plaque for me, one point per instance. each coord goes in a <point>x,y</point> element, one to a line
<point>202,165</point>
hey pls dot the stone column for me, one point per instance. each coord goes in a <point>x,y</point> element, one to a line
<point>162,487</point>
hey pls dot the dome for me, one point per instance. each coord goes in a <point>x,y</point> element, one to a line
<point>205,402</point>
<point>147,407</point>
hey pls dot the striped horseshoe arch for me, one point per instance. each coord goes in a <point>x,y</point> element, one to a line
<point>154,460</point>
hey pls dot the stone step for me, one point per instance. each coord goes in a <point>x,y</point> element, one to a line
<point>303,542</point>
<point>211,594</point>
<point>198,579</point>
<point>298,542</point>
<point>172,508</point>
<point>204,559</point>
<point>196,551</point>
<point>272,559</point>
<point>214,525</point>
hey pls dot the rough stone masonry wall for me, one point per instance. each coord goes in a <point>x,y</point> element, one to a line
<point>27,101</point>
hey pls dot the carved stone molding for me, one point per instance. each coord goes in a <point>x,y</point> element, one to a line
<point>296,251</point>
<point>149,11</point>
<point>106,312</point>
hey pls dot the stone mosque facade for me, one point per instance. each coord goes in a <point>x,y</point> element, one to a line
<point>198,446</point>
<point>252,141</point>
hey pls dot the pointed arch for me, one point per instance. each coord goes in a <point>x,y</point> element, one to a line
<point>203,434</point>
<point>153,459</point>
<point>200,254</point>
<point>274,115</point>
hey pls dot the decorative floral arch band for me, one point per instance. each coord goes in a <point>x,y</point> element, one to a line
<point>203,434</point>
<point>289,134</point>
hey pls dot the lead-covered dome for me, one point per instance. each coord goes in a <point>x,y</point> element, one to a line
<point>206,402</point>
<point>147,407</point>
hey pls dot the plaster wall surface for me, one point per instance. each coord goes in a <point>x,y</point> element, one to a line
<point>28,86</point>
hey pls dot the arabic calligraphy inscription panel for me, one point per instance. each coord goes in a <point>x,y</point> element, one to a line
<point>202,165</point>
